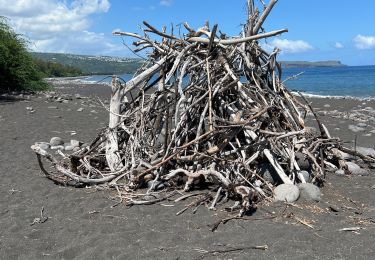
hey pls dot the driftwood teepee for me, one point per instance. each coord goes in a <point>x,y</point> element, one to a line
<point>204,108</point>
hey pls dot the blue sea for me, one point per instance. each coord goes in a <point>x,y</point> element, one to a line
<point>350,81</point>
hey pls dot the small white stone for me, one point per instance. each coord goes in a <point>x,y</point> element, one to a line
<point>286,192</point>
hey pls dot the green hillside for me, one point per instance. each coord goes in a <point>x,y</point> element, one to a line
<point>92,64</point>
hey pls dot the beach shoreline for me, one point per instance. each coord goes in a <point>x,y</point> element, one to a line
<point>88,223</point>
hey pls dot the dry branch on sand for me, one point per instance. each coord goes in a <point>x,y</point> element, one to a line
<point>205,108</point>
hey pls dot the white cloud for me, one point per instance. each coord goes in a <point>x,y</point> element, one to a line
<point>338,45</point>
<point>289,46</point>
<point>166,2</point>
<point>364,42</point>
<point>57,26</point>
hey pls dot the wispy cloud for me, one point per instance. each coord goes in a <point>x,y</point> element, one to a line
<point>166,2</point>
<point>289,46</point>
<point>364,42</point>
<point>58,25</point>
<point>338,45</point>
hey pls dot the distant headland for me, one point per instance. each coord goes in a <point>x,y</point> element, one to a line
<point>310,64</point>
<point>90,64</point>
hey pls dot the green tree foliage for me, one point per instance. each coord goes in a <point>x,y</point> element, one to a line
<point>17,68</point>
<point>53,69</point>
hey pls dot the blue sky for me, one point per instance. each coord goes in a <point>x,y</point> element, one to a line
<point>318,29</point>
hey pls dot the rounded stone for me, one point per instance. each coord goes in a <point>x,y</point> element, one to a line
<point>355,169</point>
<point>305,174</point>
<point>340,172</point>
<point>43,145</point>
<point>286,192</point>
<point>55,141</point>
<point>308,191</point>
<point>76,149</point>
<point>158,185</point>
<point>75,143</point>
<point>58,147</point>
<point>69,148</point>
<point>269,174</point>
<point>302,161</point>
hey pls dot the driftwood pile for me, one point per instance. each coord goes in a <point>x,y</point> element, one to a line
<point>205,109</point>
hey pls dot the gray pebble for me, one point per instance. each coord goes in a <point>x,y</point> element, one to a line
<point>69,148</point>
<point>158,185</point>
<point>58,147</point>
<point>362,125</point>
<point>76,149</point>
<point>302,161</point>
<point>286,192</point>
<point>306,175</point>
<point>340,172</point>
<point>80,109</point>
<point>355,169</point>
<point>366,151</point>
<point>75,143</point>
<point>355,128</point>
<point>56,141</point>
<point>43,145</point>
<point>309,191</point>
<point>269,174</point>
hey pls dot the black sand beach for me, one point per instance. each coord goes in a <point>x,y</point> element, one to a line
<point>85,223</point>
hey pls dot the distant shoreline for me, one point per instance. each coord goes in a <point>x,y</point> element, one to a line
<point>311,64</point>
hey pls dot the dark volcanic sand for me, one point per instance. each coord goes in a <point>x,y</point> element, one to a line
<point>82,224</point>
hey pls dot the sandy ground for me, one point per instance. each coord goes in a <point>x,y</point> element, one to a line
<point>82,224</point>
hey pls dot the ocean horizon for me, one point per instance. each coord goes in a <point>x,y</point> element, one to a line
<point>340,82</point>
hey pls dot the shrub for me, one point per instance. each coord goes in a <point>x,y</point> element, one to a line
<point>17,68</point>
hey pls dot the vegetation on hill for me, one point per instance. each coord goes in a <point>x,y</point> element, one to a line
<point>53,69</point>
<point>17,68</point>
<point>100,65</point>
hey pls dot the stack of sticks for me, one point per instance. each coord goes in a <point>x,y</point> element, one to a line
<point>205,109</point>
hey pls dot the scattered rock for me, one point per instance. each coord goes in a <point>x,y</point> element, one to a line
<point>29,108</point>
<point>327,105</point>
<point>305,174</point>
<point>340,172</point>
<point>355,169</point>
<point>76,149</point>
<point>93,111</point>
<point>65,101</point>
<point>85,145</point>
<point>366,151</point>
<point>75,143</point>
<point>269,174</point>
<point>55,141</point>
<point>69,148</point>
<point>43,145</point>
<point>53,107</point>
<point>77,96</point>
<point>80,109</point>
<point>362,125</point>
<point>286,192</point>
<point>58,147</point>
<point>302,161</point>
<point>309,191</point>
<point>158,185</point>
<point>355,128</point>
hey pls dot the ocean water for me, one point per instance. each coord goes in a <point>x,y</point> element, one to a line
<point>350,81</point>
